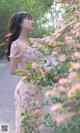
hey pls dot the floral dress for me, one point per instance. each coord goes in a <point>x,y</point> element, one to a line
<point>25,94</point>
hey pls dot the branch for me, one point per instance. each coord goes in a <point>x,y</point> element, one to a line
<point>51,39</point>
<point>66,26</point>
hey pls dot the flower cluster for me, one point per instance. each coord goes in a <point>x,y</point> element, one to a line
<point>58,73</point>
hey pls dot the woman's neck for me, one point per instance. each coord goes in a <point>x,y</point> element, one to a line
<point>23,36</point>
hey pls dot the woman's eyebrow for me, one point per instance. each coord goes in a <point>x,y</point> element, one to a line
<point>29,16</point>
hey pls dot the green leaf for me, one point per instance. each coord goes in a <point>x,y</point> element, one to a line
<point>21,72</point>
<point>29,66</point>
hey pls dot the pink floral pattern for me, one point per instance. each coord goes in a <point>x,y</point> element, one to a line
<point>25,94</point>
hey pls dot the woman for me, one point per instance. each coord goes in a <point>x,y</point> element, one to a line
<point>20,53</point>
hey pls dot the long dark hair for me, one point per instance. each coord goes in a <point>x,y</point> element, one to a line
<point>14,28</point>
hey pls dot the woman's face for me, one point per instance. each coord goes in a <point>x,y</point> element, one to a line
<point>28,24</point>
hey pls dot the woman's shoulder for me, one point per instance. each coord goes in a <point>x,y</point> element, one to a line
<point>16,45</point>
<point>16,50</point>
<point>16,42</point>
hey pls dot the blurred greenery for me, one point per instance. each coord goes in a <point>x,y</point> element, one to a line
<point>36,7</point>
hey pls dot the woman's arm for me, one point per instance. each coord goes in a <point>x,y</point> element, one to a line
<point>13,66</point>
<point>51,39</point>
<point>15,56</point>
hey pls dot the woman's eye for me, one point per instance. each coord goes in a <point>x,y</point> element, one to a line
<point>30,18</point>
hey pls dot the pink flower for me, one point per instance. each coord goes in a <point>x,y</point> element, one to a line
<point>56,107</point>
<point>76,55</point>
<point>71,94</point>
<point>69,40</point>
<point>57,32</point>
<point>77,25</point>
<point>78,45</point>
<point>77,13</point>
<point>78,34</point>
<point>72,75</point>
<point>63,81</point>
<point>34,65</point>
<point>46,70</point>
<point>48,39</point>
<point>50,92</point>
<point>61,89</point>
<point>75,89</point>
<point>75,65</point>
<point>62,58</point>
<point>37,112</point>
<point>60,119</point>
<point>54,52</point>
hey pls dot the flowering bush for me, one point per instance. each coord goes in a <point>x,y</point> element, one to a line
<point>58,74</point>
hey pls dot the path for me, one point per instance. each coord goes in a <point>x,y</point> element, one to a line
<point>7,85</point>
